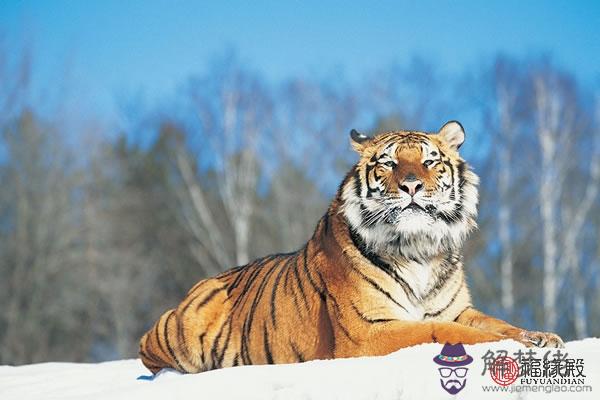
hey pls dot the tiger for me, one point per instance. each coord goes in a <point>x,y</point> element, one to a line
<point>382,271</point>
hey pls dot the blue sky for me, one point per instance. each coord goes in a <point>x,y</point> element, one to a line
<point>110,49</point>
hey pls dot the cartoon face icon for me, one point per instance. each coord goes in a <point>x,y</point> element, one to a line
<point>452,370</point>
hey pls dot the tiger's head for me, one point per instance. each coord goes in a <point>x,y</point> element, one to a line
<point>411,193</point>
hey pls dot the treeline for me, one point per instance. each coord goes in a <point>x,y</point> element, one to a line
<point>100,233</point>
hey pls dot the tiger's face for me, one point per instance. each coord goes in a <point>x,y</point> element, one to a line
<point>411,192</point>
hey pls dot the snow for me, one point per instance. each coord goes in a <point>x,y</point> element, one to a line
<point>406,374</point>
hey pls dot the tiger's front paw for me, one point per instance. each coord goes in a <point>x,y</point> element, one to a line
<point>540,339</point>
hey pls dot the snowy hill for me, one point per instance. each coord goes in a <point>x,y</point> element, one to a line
<point>407,374</point>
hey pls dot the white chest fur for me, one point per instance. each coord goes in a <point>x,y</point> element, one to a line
<point>418,276</point>
<point>420,279</point>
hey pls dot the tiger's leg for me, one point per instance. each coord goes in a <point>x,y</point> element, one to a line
<point>385,338</point>
<point>474,318</point>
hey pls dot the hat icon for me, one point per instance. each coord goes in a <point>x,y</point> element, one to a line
<point>453,355</point>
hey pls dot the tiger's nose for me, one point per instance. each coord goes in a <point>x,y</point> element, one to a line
<point>411,186</point>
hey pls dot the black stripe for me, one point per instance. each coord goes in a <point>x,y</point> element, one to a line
<point>201,339</point>
<point>448,163</point>
<point>452,217</point>
<point>297,353</point>
<point>460,313</point>
<point>208,298</point>
<point>299,281</point>
<point>449,268</point>
<point>171,352</point>
<point>239,278</point>
<point>213,351</point>
<point>181,338</point>
<point>231,271</point>
<point>267,346</point>
<point>152,365</point>
<point>290,291</point>
<point>370,190</point>
<point>438,312</point>
<point>461,168</point>
<point>379,263</point>
<point>370,320</point>
<point>286,282</point>
<point>257,270</point>
<point>295,299</point>
<point>336,309</point>
<point>310,280</point>
<point>369,218</point>
<point>377,287</point>
<point>247,326</point>
<point>158,362</point>
<point>263,285</point>
<point>156,333</point>
<point>196,286</point>
<point>243,296</point>
<point>388,269</point>
<point>455,215</point>
<point>325,222</point>
<point>226,344</point>
<point>244,351</point>
<point>275,287</point>
<point>357,184</point>
<point>323,284</point>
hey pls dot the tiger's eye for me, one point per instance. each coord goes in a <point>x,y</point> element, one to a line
<point>427,163</point>
<point>390,164</point>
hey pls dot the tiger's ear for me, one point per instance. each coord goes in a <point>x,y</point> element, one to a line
<point>358,140</point>
<point>453,133</point>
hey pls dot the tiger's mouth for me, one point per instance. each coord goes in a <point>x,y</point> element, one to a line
<point>414,207</point>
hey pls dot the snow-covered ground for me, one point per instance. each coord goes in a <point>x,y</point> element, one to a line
<point>407,374</point>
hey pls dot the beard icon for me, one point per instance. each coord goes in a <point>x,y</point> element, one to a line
<point>453,386</point>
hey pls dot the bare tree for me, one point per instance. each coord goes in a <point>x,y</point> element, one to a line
<point>41,252</point>
<point>233,115</point>
<point>551,129</point>
<point>15,81</point>
<point>506,101</point>
<point>313,119</point>
<point>209,246</point>
<point>559,130</point>
<point>575,215</point>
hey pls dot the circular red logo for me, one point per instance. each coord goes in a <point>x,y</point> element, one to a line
<point>504,371</point>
